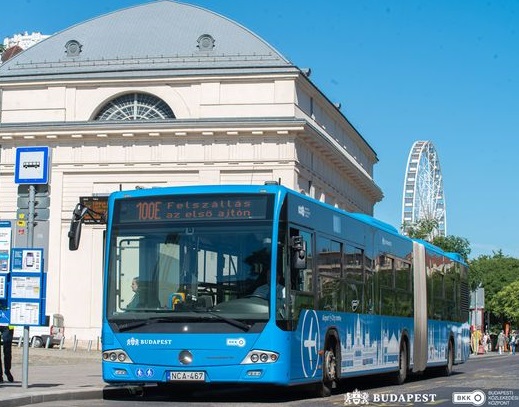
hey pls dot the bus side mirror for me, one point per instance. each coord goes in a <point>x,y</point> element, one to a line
<point>74,233</point>
<point>298,252</point>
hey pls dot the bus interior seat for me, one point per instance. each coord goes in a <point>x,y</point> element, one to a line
<point>176,298</point>
<point>205,301</point>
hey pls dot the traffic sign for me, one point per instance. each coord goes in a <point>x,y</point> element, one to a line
<point>39,214</point>
<point>39,202</point>
<point>32,165</point>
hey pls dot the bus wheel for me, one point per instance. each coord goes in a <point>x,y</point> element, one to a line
<point>447,370</point>
<point>321,390</point>
<point>401,375</point>
<point>324,389</point>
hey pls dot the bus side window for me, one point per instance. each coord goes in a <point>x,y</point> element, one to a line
<point>386,281</point>
<point>329,263</point>
<point>370,304</point>
<point>403,288</point>
<point>353,276</point>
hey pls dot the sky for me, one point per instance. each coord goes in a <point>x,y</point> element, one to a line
<point>438,70</point>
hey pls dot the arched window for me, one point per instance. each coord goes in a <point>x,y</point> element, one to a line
<point>135,106</point>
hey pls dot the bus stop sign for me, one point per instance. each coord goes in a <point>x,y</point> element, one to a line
<point>32,165</point>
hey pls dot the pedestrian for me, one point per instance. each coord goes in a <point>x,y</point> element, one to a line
<point>511,342</point>
<point>501,339</point>
<point>484,342</point>
<point>7,346</point>
<point>476,338</point>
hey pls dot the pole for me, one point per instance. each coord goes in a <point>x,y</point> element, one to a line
<point>25,358</point>
<point>30,244</point>
<point>30,221</point>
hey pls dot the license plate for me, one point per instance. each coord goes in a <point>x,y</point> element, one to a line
<point>186,376</point>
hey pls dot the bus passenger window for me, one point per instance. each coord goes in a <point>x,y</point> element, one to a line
<point>353,276</point>
<point>385,275</point>
<point>404,302</point>
<point>369,295</point>
<point>329,258</point>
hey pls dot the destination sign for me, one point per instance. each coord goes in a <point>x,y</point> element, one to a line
<point>192,208</point>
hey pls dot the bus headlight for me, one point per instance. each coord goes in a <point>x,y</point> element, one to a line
<point>260,356</point>
<point>116,355</point>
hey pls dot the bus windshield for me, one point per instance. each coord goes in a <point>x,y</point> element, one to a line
<point>189,271</point>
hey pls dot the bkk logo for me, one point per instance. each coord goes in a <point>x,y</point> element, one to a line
<point>239,342</point>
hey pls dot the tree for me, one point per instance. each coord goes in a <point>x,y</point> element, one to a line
<point>506,303</point>
<point>494,273</point>
<point>453,244</point>
<point>422,229</point>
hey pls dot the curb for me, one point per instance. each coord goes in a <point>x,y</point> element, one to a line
<point>90,394</point>
<point>45,398</point>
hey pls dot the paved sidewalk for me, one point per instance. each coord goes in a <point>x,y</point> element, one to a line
<point>53,374</point>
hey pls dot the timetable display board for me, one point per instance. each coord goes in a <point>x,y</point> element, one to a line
<point>27,288</point>
<point>99,204</point>
<point>25,313</point>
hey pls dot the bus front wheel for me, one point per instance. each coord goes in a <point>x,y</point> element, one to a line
<point>324,389</point>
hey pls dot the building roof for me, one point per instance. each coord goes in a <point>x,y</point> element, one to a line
<point>11,52</point>
<point>157,38</point>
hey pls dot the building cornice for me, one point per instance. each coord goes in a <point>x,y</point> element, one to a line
<point>116,129</point>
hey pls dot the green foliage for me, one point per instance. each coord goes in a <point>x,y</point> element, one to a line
<point>506,303</point>
<point>423,229</point>
<point>453,244</point>
<point>495,273</point>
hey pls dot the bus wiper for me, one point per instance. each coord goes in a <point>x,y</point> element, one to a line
<point>133,325</point>
<point>231,321</point>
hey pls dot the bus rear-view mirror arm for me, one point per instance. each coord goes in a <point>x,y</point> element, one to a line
<point>79,212</point>
<point>298,252</point>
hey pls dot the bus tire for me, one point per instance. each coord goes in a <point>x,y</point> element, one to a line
<point>401,375</point>
<point>329,369</point>
<point>321,390</point>
<point>447,370</point>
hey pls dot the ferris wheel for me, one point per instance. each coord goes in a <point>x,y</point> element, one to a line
<point>423,196</point>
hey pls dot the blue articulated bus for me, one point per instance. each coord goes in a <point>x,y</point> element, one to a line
<point>263,285</point>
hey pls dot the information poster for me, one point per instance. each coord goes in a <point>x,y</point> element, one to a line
<point>3,287</point>
<point>4,317</point>
<point>25,287</point>
<point>5,246</point>
<point>27,260</point>
<point>25,313</point>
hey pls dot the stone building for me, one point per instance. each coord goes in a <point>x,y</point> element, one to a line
<point>165,94</point>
